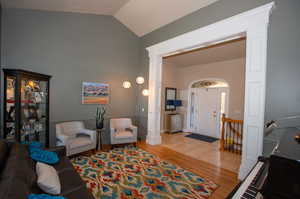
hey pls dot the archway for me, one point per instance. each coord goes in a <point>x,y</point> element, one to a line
<point>254,25</point>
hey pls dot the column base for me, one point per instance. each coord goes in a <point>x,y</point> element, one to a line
<point>245,168</point>
<point>153,140</point>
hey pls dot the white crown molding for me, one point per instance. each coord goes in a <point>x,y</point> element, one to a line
<point>253,24</point>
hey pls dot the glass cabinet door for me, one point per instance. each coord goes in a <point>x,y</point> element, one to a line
<point>34,98</point>
<point>10,116</point>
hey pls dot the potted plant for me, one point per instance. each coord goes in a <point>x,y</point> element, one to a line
<point>100,117</point>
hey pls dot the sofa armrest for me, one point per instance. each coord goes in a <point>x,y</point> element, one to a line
<point>60,150</point>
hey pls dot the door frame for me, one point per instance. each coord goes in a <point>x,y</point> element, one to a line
<point>190,89</point>
<point>254,25</point>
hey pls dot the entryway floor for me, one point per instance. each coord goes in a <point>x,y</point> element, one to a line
<point>207,152</point>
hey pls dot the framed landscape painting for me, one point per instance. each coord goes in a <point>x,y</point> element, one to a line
<point>95,93</point>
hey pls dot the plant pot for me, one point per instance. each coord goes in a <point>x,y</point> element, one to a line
<point>100,125</point>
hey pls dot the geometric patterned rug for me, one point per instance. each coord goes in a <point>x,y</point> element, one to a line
<point>133,173</point>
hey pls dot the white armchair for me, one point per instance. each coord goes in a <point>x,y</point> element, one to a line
<point>122,131</point>
<point>75,137</point>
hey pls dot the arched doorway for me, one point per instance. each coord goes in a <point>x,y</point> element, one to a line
<point>208,99</point>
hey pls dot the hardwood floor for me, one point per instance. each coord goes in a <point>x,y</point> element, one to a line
<point>226,179</point>
<point>196,148</point>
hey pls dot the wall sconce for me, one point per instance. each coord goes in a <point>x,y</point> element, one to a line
<point>145,92</point>
<point>126,84</point>
<point>140,80</point>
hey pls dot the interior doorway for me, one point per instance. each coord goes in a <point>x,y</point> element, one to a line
<point>207,104</point>
<point>192,127</point>
<point>254,25</point>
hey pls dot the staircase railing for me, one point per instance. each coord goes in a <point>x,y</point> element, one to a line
<point>231,135</point>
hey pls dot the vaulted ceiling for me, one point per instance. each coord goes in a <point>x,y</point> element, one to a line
<point>140,16</point>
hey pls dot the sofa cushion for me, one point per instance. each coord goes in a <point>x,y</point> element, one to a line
<point>64,163</point>
<point>123,134</point>
<point>3,154</point>
<point>18,172</point>
<point>18,179</point>
<point>80,142</point>
<point>70,181</point>
<point>81,192</point>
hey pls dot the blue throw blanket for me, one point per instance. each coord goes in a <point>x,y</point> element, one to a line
<point>44,156</point>
<point>43,196</point>
<point>40,155</point>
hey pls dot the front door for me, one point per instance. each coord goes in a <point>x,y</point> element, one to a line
<point>205,111</point>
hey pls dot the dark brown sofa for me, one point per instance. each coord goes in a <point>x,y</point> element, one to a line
<point>18,177</point>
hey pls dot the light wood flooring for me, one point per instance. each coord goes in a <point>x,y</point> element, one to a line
<point>226,179</point>
<point>207,152</point>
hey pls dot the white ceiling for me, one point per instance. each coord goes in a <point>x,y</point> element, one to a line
<point>101,7</point>
<point>140,16</point>
<point>145,16</point>
<point>222,52</point>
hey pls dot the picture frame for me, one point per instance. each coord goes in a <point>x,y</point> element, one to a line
<point>95,93</point>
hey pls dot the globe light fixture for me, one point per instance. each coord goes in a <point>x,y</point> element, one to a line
<point>145,92</point>
<point>126,84</point>
<point>140,80</point>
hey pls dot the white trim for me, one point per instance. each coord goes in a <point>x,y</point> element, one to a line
<point>253,24</point>
<point>186,130</point>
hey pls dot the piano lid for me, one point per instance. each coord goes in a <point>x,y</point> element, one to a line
<point>288,147</point>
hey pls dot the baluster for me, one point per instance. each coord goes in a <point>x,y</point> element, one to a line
<point>226,139</point>
<point>223,132</point>
<point>242,134</point>
<point>230,136</point>
<point>234,135</point>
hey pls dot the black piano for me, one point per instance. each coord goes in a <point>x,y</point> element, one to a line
<point>276,176</point>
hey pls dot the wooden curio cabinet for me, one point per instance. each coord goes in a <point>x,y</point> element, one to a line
<point>26,106</point>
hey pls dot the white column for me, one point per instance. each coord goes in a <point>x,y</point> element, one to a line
<point>254,95</point>
<point>154,102</point>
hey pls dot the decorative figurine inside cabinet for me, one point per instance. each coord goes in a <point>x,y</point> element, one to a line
<point>26,106</point>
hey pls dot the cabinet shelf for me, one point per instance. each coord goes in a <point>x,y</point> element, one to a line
<point>31,111</point>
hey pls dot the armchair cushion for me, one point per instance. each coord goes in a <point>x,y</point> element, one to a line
<point>80,142</point>
<point>120,123</point>
<point>123,134</point>
<point>71,128</point>
<point>75,137</point>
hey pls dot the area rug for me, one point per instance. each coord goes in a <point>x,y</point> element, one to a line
<point>134,173</point>
<point>204,138</point>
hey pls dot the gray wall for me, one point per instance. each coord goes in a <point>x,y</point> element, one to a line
<point>73,48</point>
<point>78,47</point>
<point>283,69</point>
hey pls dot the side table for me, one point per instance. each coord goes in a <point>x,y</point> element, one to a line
<point>99,138</point>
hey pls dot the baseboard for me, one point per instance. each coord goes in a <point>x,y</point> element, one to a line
<point>153,140</point>
<point>186,130</point>
<point>245,168</point>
